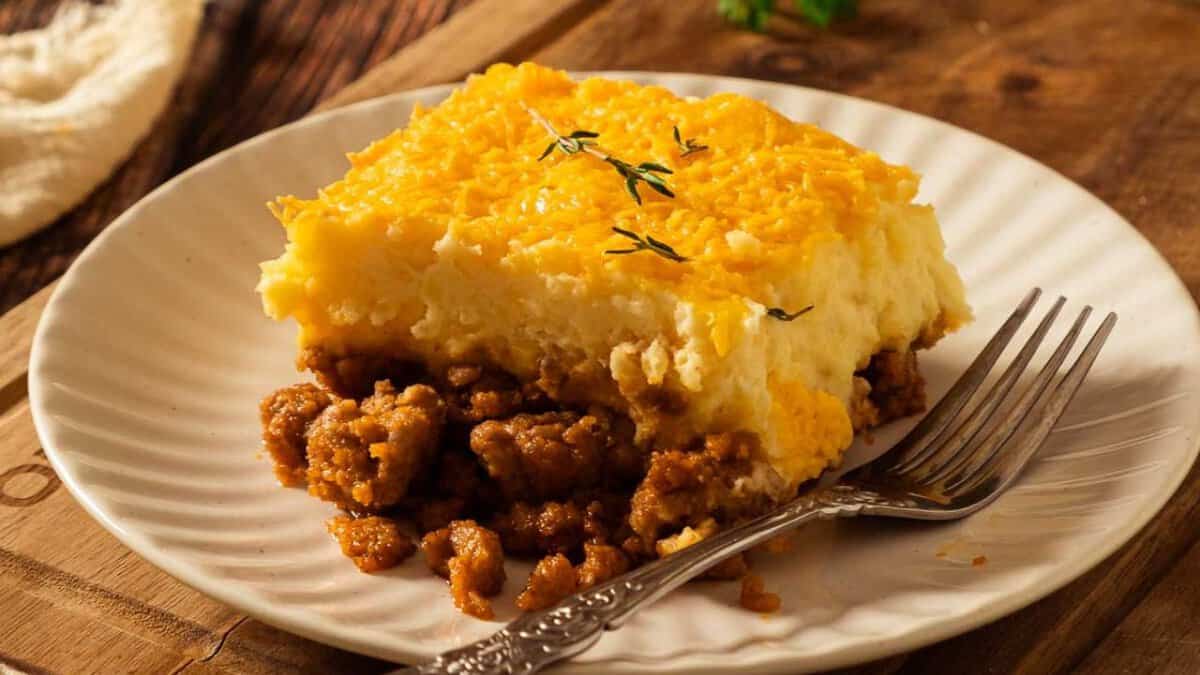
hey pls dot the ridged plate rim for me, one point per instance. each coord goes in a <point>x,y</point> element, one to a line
<point>767,656</point>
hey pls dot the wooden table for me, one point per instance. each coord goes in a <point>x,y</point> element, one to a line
<point>1105,91</point>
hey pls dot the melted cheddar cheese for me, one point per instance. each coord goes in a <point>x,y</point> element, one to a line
<point>449,239</point>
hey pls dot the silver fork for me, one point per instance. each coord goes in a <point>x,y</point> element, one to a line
<point>958,459</point>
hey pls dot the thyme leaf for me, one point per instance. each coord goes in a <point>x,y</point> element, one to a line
<point>686,147</point>
<point>647,243</point>
<point>583,141</point>
<point>784,315</point>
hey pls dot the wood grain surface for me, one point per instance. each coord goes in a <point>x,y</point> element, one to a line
<point>1105,91</point>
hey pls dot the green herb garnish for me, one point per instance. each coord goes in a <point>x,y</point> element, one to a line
<point>753,14</point>
<point>825,12</point>
<point>647,244</point>
<point>783,315</point>
<point>686,147</point>
<point>570,144</point>
<point>583,141</point>
<point>644,172</point>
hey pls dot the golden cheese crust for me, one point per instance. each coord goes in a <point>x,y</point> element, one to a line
<point>449,239</point>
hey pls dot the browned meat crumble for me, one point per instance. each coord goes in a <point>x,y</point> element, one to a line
<point>286,416</point>
<point>400,450</point>
<point>363,456</point>
<point>550,527</point>
<point>373,543</point>
<point>555,454</point>
<point>685,487</point>
<point>601,562</point>
<point>471,557</point>
<point>554,578</point>
<point>551,580</point>
<point>475,395</point>
<point>755,598</point>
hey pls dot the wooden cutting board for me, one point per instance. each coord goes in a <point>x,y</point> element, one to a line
<point>1106,91</point>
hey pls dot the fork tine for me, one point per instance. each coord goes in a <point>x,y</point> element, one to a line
<point>996,437</point>
<point>918,444</point>
<point>1025,444</point>
<point>951,456</point>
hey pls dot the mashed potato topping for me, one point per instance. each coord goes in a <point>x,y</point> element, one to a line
<point>449,240</point>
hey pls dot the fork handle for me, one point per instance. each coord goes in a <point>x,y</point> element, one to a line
<point>539,639</point>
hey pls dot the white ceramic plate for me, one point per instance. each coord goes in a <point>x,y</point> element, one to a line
<point>153,352</point>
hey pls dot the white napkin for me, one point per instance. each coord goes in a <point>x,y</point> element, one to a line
<point>78,95</point>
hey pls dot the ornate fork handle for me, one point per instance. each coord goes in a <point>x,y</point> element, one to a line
<point>539,639</point>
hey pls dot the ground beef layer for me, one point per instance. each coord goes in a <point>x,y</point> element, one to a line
<point>476,465</point>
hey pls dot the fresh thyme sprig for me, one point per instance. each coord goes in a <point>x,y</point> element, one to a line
<point>582,141</point>
<point>686,147</point>
<point>783,315</point>
<point>644,172</point>
<point>647,244</point>
<point>571,144</point>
